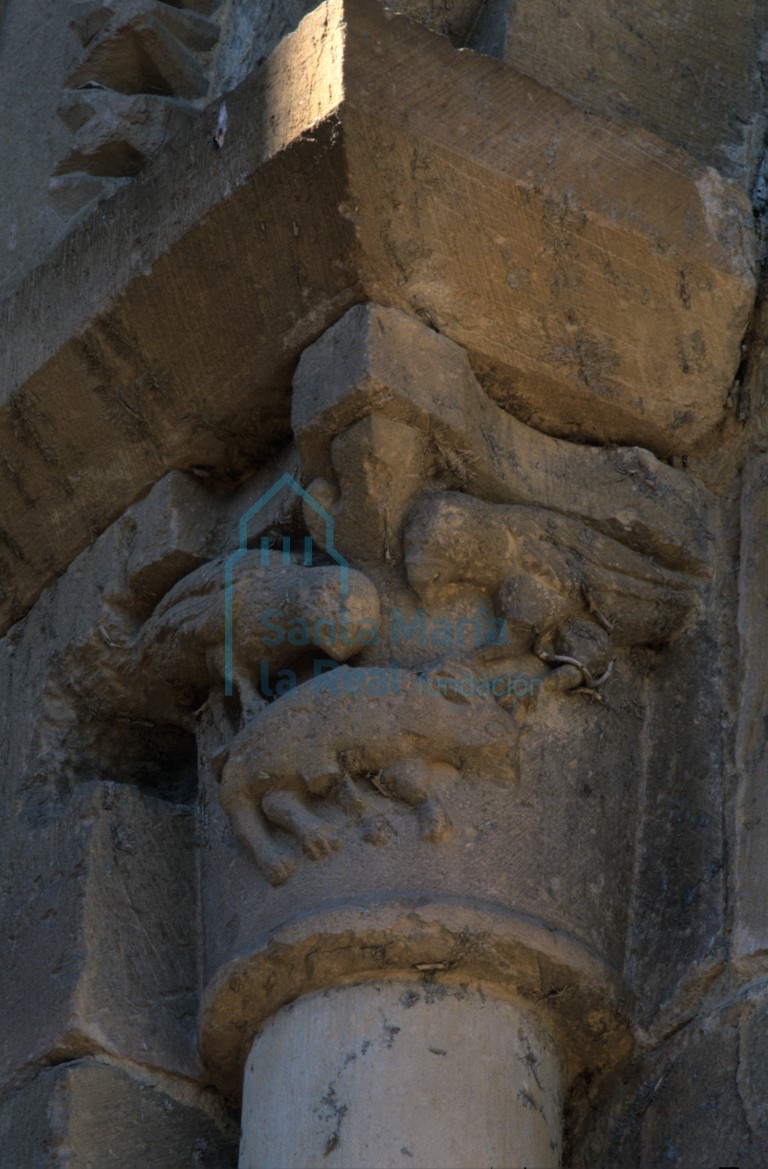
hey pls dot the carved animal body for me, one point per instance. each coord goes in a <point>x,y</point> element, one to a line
<point>542,568</point>
<point>386,726</point>
<point>279,613</point>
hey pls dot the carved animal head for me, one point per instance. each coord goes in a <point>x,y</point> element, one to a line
<point>337,624</point>
<point>453,539</point>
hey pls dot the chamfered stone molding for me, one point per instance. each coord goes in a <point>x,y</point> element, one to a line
<point>580,999</point>
<point>599,279</point>
<point>99,913</point>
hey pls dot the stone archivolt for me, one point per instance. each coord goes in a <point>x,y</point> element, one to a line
<point>142,77</point>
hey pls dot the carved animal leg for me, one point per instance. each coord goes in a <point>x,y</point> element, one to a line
<point>287,810</point>
<point>325,772</point>
<point>347,796</point>
<point>250,699</point>
<point>249,827</point>
<point>219,712</point>
<point>251,702</point>
<point>344,792</point>
<point>410,780</point>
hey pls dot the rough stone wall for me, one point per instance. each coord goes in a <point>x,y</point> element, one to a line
<point>440,292</point>
<point>692,73</point>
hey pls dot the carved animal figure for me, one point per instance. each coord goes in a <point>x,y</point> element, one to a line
<point>553,578</point>
<point>280,614</point>
<point>386,726</point>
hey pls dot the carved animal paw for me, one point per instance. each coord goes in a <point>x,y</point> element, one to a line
<point>319,841</point>
<point>277,866</point>
<point>376,829</point>
<point>289,811</point>
<point>435,822</point>
<point>410,781</point>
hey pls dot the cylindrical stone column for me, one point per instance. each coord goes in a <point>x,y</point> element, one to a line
<point>414,1074</point>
